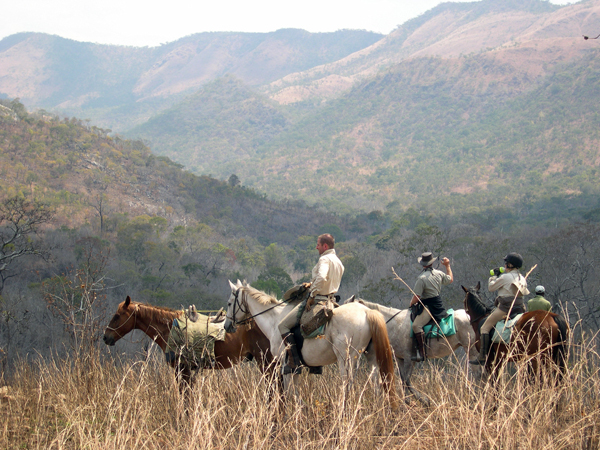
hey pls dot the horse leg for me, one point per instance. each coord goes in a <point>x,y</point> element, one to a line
<point>406,371</point>
<point>372,364</point>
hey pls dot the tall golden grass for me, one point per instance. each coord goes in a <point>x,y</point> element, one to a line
<point>94,402</point>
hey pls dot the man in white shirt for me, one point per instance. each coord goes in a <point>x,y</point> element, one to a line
<point>325,282</point>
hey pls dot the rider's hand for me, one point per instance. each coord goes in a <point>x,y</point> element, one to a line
<point>445,261</point>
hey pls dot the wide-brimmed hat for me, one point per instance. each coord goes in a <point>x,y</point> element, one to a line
<point>426,259</point>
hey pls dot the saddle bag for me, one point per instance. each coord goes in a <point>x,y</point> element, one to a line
<point>319,314</point>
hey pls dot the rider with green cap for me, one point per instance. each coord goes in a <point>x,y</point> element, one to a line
<point>539,303</point>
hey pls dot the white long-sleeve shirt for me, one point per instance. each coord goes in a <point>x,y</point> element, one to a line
<point>508,284</point>
<point>327,274</point>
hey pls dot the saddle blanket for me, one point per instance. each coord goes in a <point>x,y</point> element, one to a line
<point>194,342</point>
<point>446,327</point>
<point>504,330</point>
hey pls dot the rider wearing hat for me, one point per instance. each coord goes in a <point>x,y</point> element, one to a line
<point>539,303</point>
<point>427,293</point>
<point>511,287</point>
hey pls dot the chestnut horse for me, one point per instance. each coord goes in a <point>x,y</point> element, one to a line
<point>538,336</point>
<point>156,321</point>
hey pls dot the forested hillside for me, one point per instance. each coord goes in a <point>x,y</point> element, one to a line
<point>470,156</point>
<point>126,222</point>
<point>483,106</point>
<point>437,134</point>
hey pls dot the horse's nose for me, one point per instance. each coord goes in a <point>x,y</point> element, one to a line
<point>228,325</point>
<point>108,340</point>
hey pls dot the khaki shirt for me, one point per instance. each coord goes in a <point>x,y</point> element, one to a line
<point>327,274</point>
<point>509,284</point>
<point>430,282</point>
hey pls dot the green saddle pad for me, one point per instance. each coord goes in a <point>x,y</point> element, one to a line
<point>446,327</point>
<point>318,332</point>
<point>504,330</point>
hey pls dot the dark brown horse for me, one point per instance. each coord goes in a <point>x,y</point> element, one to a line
<point>247,342</point>
<point>538,336</point>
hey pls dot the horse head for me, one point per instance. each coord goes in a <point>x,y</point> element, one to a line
<point>475,306</point>
<point>122,322</point>
<point>234,307</point>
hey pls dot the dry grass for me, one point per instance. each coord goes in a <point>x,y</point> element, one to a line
<point>93,403</point>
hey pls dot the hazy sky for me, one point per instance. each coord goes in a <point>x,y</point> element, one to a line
<point>152,22</point>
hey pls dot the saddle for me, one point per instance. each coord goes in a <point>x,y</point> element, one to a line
<point>503,330</point>
<point>315,317</point>
<point>445,327</point>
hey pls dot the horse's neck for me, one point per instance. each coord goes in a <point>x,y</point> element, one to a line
<point>385,310</point>
<point>266,317</point>
<point>156,326</point>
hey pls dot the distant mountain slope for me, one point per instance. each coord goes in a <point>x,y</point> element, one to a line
<point>433,133</point>
<point>92,80</point>
<point>222,125</point>
<point>451,30</point>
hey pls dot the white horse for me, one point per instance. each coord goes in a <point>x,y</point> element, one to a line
<point>347,335</point>
<point>399,326</point>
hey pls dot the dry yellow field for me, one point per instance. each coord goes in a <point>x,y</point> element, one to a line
<point>89,403</point>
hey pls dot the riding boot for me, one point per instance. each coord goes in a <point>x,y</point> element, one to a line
<point>420,338</point>
<point>293,364</point>
<point>484,347</point>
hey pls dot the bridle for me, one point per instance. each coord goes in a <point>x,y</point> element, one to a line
<point>476,319</point>
<point>241,306</point>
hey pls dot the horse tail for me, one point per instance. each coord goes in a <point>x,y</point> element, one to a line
<point>383,353</point>
<point>559,351</point>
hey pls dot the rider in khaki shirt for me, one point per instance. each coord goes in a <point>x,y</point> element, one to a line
<point>427,292</point>
<point>325,282</point>
<point>511,287</point>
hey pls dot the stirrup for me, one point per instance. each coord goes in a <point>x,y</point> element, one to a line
<point>417,357</point>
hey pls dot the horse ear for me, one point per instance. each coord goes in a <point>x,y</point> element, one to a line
<point>127,301</point>
<point>351,299</point>
<point>478,286</point>
<point>464,288</point>
<point>232,286</point>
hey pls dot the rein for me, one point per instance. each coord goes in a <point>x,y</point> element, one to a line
<point>239,305</point>
<point>390,319</point>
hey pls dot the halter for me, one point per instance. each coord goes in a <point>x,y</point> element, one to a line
<point>133,314</point>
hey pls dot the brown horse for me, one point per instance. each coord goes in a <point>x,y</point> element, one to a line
<point>155,321</point>
<point>539,336</point>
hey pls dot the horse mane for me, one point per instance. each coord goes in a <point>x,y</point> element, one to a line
<point>152,313</point>
<point>261,297</point>
<point>477,305</point>
<point>380,308</point>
